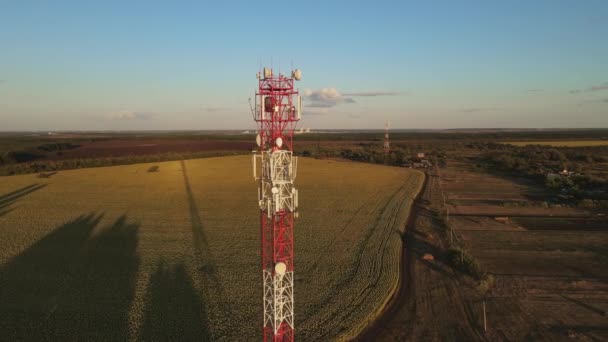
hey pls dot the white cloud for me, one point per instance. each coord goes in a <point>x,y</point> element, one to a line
<point>330,97</point>
<point>375,93</point>
<point>603,86</point>
<point>325,98</point>
<point>129,115</point>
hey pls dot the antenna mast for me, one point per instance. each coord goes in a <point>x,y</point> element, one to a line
<point>387,145</point>
<point>277,111</point>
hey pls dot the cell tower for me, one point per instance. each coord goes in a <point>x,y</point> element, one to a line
<point>277,110</point>
<point>387,145</point>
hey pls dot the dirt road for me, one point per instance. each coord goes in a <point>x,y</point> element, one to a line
<point>432,303</point>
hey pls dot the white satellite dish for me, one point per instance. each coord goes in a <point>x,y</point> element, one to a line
<point>279,142</point>
<point>258,140</point>
<point>297,74</point>
<point>275,190</point>
<point>280,268</point>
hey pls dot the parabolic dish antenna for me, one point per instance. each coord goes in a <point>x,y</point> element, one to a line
<point>275,190</point>
<point>280,268</point>
<point>297,74</point>
<point>258,140</point>
<point>279,142</point>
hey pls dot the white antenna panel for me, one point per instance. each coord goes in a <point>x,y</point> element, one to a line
<point>299,108</point>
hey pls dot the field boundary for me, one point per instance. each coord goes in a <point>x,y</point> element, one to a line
<point>399,287</point>
<point>559,143</point>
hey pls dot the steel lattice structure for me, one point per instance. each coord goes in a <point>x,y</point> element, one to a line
<point>387,144</point>
<point>277,111</point>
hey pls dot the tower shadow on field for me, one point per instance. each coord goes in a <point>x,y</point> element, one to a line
<point>174,310</point>
<point>8,199</point>
<point>204,256</point>
<point>212,287</point>
<point>72,284</point>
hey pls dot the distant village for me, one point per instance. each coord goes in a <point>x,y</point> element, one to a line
<point>420,161</point>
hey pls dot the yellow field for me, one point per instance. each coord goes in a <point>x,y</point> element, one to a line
<point>564,143</point>
<point>121,253</point>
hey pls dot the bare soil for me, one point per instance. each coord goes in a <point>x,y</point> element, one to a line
<point>550,271</point>
<point>493,210</point>
<point>550,265</point>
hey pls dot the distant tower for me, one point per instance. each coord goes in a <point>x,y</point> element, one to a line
<point>387,145</point>
<point>277,110</point>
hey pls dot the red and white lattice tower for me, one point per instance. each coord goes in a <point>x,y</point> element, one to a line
<point>387,144</point>
<point>277,111</point>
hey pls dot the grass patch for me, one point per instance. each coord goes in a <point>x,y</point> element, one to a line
<point>97,251</point>
<point>564,143</point>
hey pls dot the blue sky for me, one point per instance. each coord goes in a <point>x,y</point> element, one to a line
<point>188,65</point>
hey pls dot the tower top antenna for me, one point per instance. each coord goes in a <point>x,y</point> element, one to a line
<point>277,111</point>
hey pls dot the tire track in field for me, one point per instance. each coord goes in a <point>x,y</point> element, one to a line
<point>367,266</point>
<point>378,261</point>
<point>371,199</point>
<point>8,199</point>
<point>379,258</point>
<point>347,278</point>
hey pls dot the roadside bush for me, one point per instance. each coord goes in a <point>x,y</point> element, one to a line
<point>591,204</point>
<point>485,284</point>
<point>586,204</point>
<point>464,262</point>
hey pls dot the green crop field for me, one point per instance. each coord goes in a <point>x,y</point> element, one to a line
<point>563,143</point>
<point>121,253</point>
